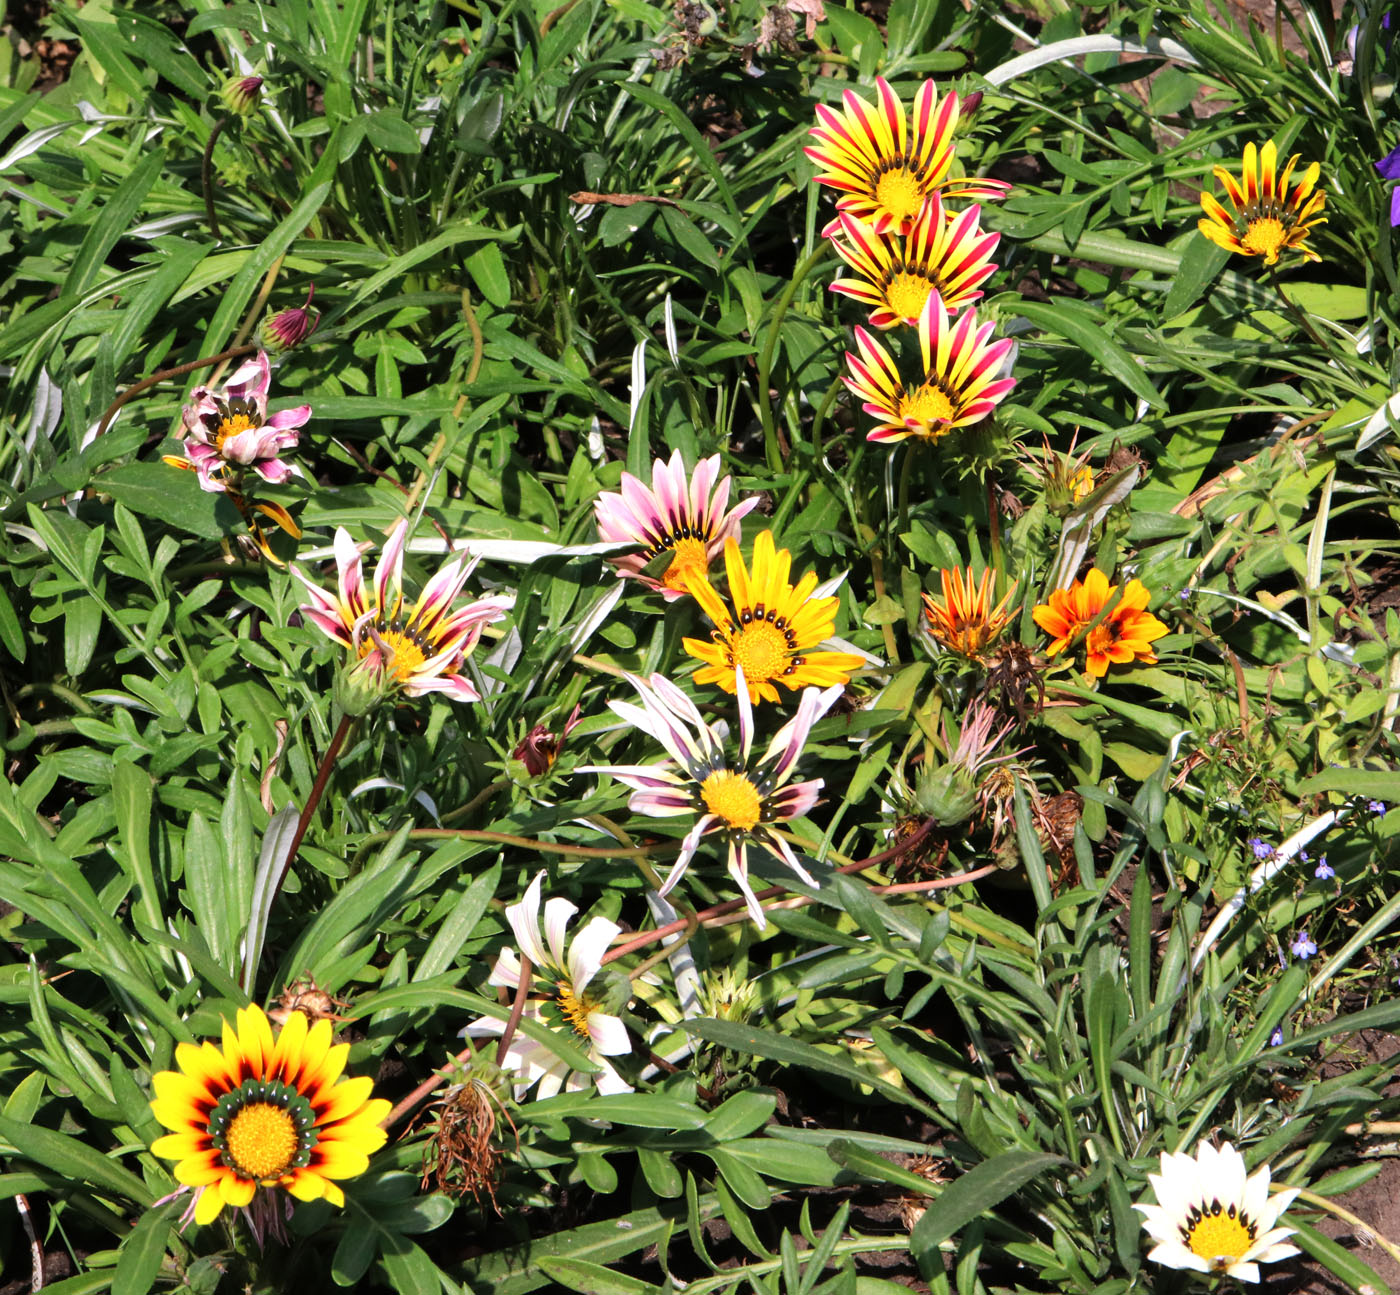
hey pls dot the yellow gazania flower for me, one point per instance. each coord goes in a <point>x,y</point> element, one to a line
<point>964,620</point>
<point>1125,634</point>
<point>265,1113</point>
<point>1268,218</point>
<point>770,631</point>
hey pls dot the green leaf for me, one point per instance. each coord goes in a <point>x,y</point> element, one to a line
<point>1356,1274</point>
<point>966,1198</point>
<point>142,1252</point>
<point>1371,784</point>
<point>388,130</point>
<point>488,268</point>
<point>166,494</point>
<point>1201,261</point>
<point>594,1279</point>
<point>1088,330</point>
<point>11,635</point>
<point>117,216</point>
<point>60,1153</point>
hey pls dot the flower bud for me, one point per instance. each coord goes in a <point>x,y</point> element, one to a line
<point>947,794</point>
<point>241,93</point>
<point>359,688</point>
<point>291,327</point>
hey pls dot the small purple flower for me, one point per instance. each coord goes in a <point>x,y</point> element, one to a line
<point>1389,167</point>
<point>1262,849</point>
<point>1303,856</point>
<point>1324,870</point>
<point>1302,947</point>
<point>1276,1038</point>
<point>230,429</point>
<point>1379,807</point>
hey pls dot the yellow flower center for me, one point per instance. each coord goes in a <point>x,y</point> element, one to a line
<point>907,294</point>
<point>403,649</point>
<point>1220,1237</point>
<point>262,1141</point>
<point>733,798</point>
<point>762,649</point>
<point>1266,237</point>
<point>690,558</point>
<point>231,426</point>
<point>927,405</point>
<point>900,191</point>
<point>574,1010</point>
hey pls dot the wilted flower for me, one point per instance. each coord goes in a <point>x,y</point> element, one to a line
<point>563,980</point>
<point>229,431</point>
<point>738,801</point>
<point>949,792</point>
<point>241,93</point>
<point>1211,1218</point>
<point>964,620</point>
<point>768,637</point>
<point>291,327</point>
<point>685,518</point>
<point>887,168</point>
<point>1125,634</point>
<point>1302,947</point>
<point>417,652</point>
<point>1268,218</point>
<point>958,386</point>
<point>266,1113</point>
<point>539,748</point>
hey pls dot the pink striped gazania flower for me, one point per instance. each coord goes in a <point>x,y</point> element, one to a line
<point>417,652</point>
<point>944,253</point>
<point>229,431</point>
<point>739,802</point>
<point>886,168</point>
<point>685,518</point>
<point>562,978</point>
<point>959,384</point>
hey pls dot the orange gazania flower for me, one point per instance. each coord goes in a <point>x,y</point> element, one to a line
<point>947,253</point>
<point>1125,634</point>
<point>959,385</point>
<point>964,620</point>
<point>1269,217</point>
<point>886,167</point>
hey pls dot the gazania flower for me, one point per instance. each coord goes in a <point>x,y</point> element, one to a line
<point>768,637</point>
<point>886,168</point>
<point>944,253</point>
<point>686,519</point>
<point>1125,634</point>
<point>419,651</point>
<point>959,384</point>
<point>1268,218</point>
<point>1211,1218</point>
<point>290,327</point>
<point>737,801</point>
<point>227,432</point>
<point>963,620</point>
<point>265,1112</point>
<point>561,979</point>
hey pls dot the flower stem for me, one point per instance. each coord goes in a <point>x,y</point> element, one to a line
<point>178,371</point>
<point>1297,311</point>
<point>771,452</point>
<point>517,1009</point>
<point>206,176</point>
<point>318,789</point>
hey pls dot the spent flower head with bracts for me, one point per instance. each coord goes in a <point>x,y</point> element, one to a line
<point>686,518</point>
<point>1268,217</point>
<point>964,620</point>
<point>1125,634</point>
<point>769,635</point>
<point>944,253</point>
<point>886,166</point>
<point>958,387</point>
<point>265,1113</point>
<point>395,649</point>
<point>738,800</point>
<point>228,431</point>
<point>562,972</point>
<point>1210,1217</point>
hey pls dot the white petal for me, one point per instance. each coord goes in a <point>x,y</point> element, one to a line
<point>609,1035</point>
<point>557,913</point>
<point>587,950</point>
<point>524,919</point>
<point>609,1081</point>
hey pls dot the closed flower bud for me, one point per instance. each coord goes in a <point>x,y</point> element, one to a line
<point>947,794</point>
<point>241,93</point>
<point>291,327</point>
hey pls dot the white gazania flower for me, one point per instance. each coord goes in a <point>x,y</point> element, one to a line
<point>1211,1218</point>
<point>564,978</point>
<point>738,802</point>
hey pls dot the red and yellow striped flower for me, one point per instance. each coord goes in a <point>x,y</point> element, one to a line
<point>265,1112</point>
<point>886,166</point>
<point>947,253</point>
<point>1269,217</point>
<point>964,620</point>
<point>959,385</point>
